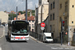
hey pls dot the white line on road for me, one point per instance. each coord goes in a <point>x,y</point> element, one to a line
<point>0,48</point>
<point>56,48</point>
<point>53,48</point>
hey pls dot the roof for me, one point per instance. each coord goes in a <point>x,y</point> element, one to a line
<point>30,18</point>
<point>7,12</point>
<point>13,12</point>
<point>29,10</point>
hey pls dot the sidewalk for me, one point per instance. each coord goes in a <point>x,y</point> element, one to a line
<point>55,44</point>
<point>1,31</point>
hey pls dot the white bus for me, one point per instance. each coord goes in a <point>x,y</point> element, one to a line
<point>18,30</point>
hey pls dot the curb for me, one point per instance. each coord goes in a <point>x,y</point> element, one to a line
<point>35,40</point>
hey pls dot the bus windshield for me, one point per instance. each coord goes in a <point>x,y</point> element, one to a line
<point>19,27</point>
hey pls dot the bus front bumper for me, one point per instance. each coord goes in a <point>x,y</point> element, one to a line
<point>19,39</point>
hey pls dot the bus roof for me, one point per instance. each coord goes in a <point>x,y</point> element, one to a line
<point>10,21</point>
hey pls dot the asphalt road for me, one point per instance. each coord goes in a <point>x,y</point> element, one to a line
<point>29,45</point>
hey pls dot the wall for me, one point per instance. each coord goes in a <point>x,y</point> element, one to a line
<point>3,17</point>
<point>30,23</point>
<point>71,26</point>
<point>54,22</point>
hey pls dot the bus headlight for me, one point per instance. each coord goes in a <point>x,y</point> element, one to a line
<point>12,37</point>
<point>27,38</point>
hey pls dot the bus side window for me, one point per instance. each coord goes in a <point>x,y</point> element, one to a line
<point>10,26</point>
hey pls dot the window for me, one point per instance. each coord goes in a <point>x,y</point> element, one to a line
<point>66,6</point>
<point>32,20</point>
<point>40,2</point>
<point>50,28</point>
<point>32,30</point>
<point>29,21</point>
<point>53,28</point>
<point>60,6</point>
<point>32,25</point>
<point>50,17</point>
<point>72,21</point>
<point>72,6</point>
<point>53,4</point>
<point>53,16</point>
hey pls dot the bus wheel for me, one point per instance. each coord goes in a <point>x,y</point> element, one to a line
<point>10,40</point>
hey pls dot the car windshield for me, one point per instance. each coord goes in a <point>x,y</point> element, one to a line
<point>19,27</point>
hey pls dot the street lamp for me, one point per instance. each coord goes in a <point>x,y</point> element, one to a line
<point>26,11</point>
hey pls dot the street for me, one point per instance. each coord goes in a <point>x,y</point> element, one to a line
<point>29,45</point>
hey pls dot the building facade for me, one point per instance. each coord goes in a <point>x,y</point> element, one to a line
<point>42,10</point>
<point>43,7</point>
<point>62,9</point>
<point>3,17</point>
<point>54,18</point>
<point>31,21</point>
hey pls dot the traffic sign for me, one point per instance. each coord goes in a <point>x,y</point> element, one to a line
<point>42,28</point>
<point>43,24</point>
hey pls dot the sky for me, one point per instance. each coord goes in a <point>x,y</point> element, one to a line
<point>9,5</point>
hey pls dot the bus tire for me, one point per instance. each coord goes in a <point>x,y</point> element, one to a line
<point>10,40</point>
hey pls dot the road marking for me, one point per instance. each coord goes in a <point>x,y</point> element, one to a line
<point>67,48</point>
<point>53,48</point>
<point>3,32</point>
<point>0,48</point>
<point>56,48</point>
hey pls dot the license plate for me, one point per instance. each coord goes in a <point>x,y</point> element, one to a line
<point>20,38</point>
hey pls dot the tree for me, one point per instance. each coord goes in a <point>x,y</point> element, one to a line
<point>11,15</point>
<point>5,11</point>
<point>33,12</point>
<point>20,12</point>
<point>24,12</point>
<point>28,14</point>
